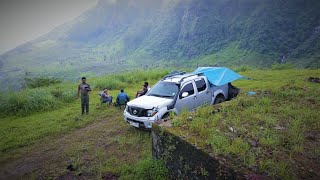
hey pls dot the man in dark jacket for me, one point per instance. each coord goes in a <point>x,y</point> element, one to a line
<point>84,90</point>
<point>122,98</point>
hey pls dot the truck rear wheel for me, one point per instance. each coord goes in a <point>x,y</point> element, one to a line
<point>219,99</point>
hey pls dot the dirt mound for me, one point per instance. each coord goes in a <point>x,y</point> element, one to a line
<point>110,177</point>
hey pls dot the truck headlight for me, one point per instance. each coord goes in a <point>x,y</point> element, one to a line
<point>151,112</point>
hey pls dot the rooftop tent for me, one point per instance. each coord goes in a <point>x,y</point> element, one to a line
<point>218,75</point>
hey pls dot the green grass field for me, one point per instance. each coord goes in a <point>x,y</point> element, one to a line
<point>36,116</point>
<point>279,119</point>
<point>275,131</point>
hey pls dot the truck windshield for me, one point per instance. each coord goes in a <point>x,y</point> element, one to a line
<point>164,89</point>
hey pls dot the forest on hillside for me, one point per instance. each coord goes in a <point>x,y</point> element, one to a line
<point>123,34</point>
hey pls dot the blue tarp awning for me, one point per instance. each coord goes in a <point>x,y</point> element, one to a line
<point>218,75</point>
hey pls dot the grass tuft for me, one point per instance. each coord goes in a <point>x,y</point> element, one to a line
<point>146,168</point>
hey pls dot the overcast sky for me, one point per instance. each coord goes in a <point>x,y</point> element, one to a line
<point>25,20</point>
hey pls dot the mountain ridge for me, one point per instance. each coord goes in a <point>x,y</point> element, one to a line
<point>154,33</point>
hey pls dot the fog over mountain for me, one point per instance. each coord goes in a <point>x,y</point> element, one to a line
<point>22,21</point>
<point>122,34</point>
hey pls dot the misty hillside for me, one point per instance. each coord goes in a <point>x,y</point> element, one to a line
<point>153,33</point>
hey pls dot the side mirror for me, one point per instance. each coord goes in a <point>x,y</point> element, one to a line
<point>184,94</point>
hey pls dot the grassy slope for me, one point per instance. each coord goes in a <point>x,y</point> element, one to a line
<point>286,100</point>
<point>28,129</point>
<point>233,55</point>
<point>274,132</point>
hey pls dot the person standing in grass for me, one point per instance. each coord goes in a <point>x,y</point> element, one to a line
<point>84,89</point>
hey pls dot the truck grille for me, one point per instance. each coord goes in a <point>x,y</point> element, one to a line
<point>135,111</point>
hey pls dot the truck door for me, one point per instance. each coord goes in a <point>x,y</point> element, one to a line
<point>204,94</point>
<point>190,101</point>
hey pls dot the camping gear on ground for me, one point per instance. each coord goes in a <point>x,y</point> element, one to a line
<point>251,93</point>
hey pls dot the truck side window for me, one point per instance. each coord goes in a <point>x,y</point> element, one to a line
<point>201,85</point>
<point>187,88</point>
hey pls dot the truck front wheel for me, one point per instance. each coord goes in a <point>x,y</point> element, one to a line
<point>219,99</point>
<point>165,117</point>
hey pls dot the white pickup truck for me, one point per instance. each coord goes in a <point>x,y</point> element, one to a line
<point>173,94</point>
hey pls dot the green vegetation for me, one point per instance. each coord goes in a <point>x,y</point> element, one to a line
<point>50,116</point>
<point>51,99</point>
<point>36,99</point>
<point>146,169</point>
<point>270,132</point>
<point>40,81</point>
<point>48,98</point>
<point>233,55</point>
<point>119,81</point>
<point>158,33</point>
<point>282,66</point>
<point>265,133</point>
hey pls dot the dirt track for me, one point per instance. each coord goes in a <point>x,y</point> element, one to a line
<point>57,157</point>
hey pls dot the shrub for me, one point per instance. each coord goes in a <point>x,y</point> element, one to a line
<point>40,82</point>
<point>242,68</point>
<point>122,80</point>
<point>40,100</point>
<point>239,147</point>
<point>109,82</point>
<point>146,169</point>
<point>64,95</point>
<point>33,100</point>
<point>282,66</point>
<point>219,142</point>
<point>27,101</point>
